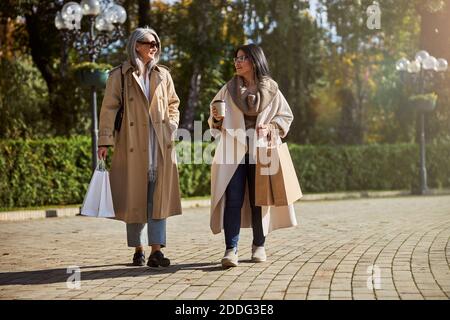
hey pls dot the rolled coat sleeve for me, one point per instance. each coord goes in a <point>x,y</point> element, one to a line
<point>173,104</point>
<point>283,118</point>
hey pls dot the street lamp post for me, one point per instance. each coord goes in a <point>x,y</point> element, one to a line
<point>105,19</point>
<point>419,70</point>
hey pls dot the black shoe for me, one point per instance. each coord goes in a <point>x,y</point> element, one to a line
<point>139,259</point>
<point>157,260</point>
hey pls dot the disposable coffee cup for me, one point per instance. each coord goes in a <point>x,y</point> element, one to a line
<point>220,107</point>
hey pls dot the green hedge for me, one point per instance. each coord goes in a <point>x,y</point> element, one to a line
<point>51,171</point>
<point>57,171</point>
<point>369,167</point>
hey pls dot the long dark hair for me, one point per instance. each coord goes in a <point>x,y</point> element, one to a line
<point>257,58</point>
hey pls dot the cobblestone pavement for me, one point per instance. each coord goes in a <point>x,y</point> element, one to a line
<point>396,248</point>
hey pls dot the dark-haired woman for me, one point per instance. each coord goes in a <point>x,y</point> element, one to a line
<point>256,112</point>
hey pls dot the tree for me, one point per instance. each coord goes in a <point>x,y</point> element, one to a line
<point>23,99</point>
<point>292,41</point>
<point>434,37</point>
<point>357,54</point>
<point>144,13</point>
<point>198,37</point>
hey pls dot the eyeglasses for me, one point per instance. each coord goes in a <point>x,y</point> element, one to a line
<point>240,59</point>
<point>151,44</point>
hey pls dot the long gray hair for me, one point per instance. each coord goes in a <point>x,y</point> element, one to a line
<point>138,35</point>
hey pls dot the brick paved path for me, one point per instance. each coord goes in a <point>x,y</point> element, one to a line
<point>330,255</point>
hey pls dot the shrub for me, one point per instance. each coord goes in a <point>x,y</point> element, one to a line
<point>57,171</point>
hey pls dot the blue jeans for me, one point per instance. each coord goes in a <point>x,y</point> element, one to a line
<point>235,192</point>
<point>152,232</point>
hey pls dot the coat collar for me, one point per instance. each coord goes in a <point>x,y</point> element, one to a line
<point>126,65</point>
<point>155,77</point>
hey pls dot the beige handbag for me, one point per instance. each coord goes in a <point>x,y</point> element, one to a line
<point>276,182</point>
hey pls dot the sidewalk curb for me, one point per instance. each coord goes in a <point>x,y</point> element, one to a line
<point>24,215</point>
<point>75,211</point>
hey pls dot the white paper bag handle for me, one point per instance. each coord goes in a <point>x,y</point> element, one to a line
<point>101,165</point>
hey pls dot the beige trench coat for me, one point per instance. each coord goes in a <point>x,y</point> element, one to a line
<point>223,167</point>
<point>130,161</point>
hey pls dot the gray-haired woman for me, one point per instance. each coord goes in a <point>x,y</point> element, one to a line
<point>144,174</point>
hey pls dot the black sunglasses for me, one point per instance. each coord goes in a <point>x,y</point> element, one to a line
<point>152,44</point>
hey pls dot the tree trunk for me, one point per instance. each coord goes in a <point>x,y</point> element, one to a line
<point>360,119</point>
<point>43,51</point>
<point>349,131</point>
<point>193,98</point>
<point>6,38</point>
<point>144,13</point>
<point>433,35</point>
<point>200,8</point>
<point>42,61</point>
<point>129,9</point>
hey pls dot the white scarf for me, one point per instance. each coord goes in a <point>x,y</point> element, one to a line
<point>144,82</point>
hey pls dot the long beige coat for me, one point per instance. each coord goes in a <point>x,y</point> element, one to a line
<point>130,161</point>
<point>223,166</point>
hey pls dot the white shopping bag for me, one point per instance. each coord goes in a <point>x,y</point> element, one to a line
<point>106,208</point>
<point>98,200</point>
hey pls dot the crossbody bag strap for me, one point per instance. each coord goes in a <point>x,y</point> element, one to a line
<point>122,87</point>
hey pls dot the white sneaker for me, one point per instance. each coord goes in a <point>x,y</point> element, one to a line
<point>258,254</point>
<point>230,259</point>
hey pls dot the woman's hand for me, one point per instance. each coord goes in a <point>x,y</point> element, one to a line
<point>102,152</point>
<point>216,114</point>
<point>263,130</point>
